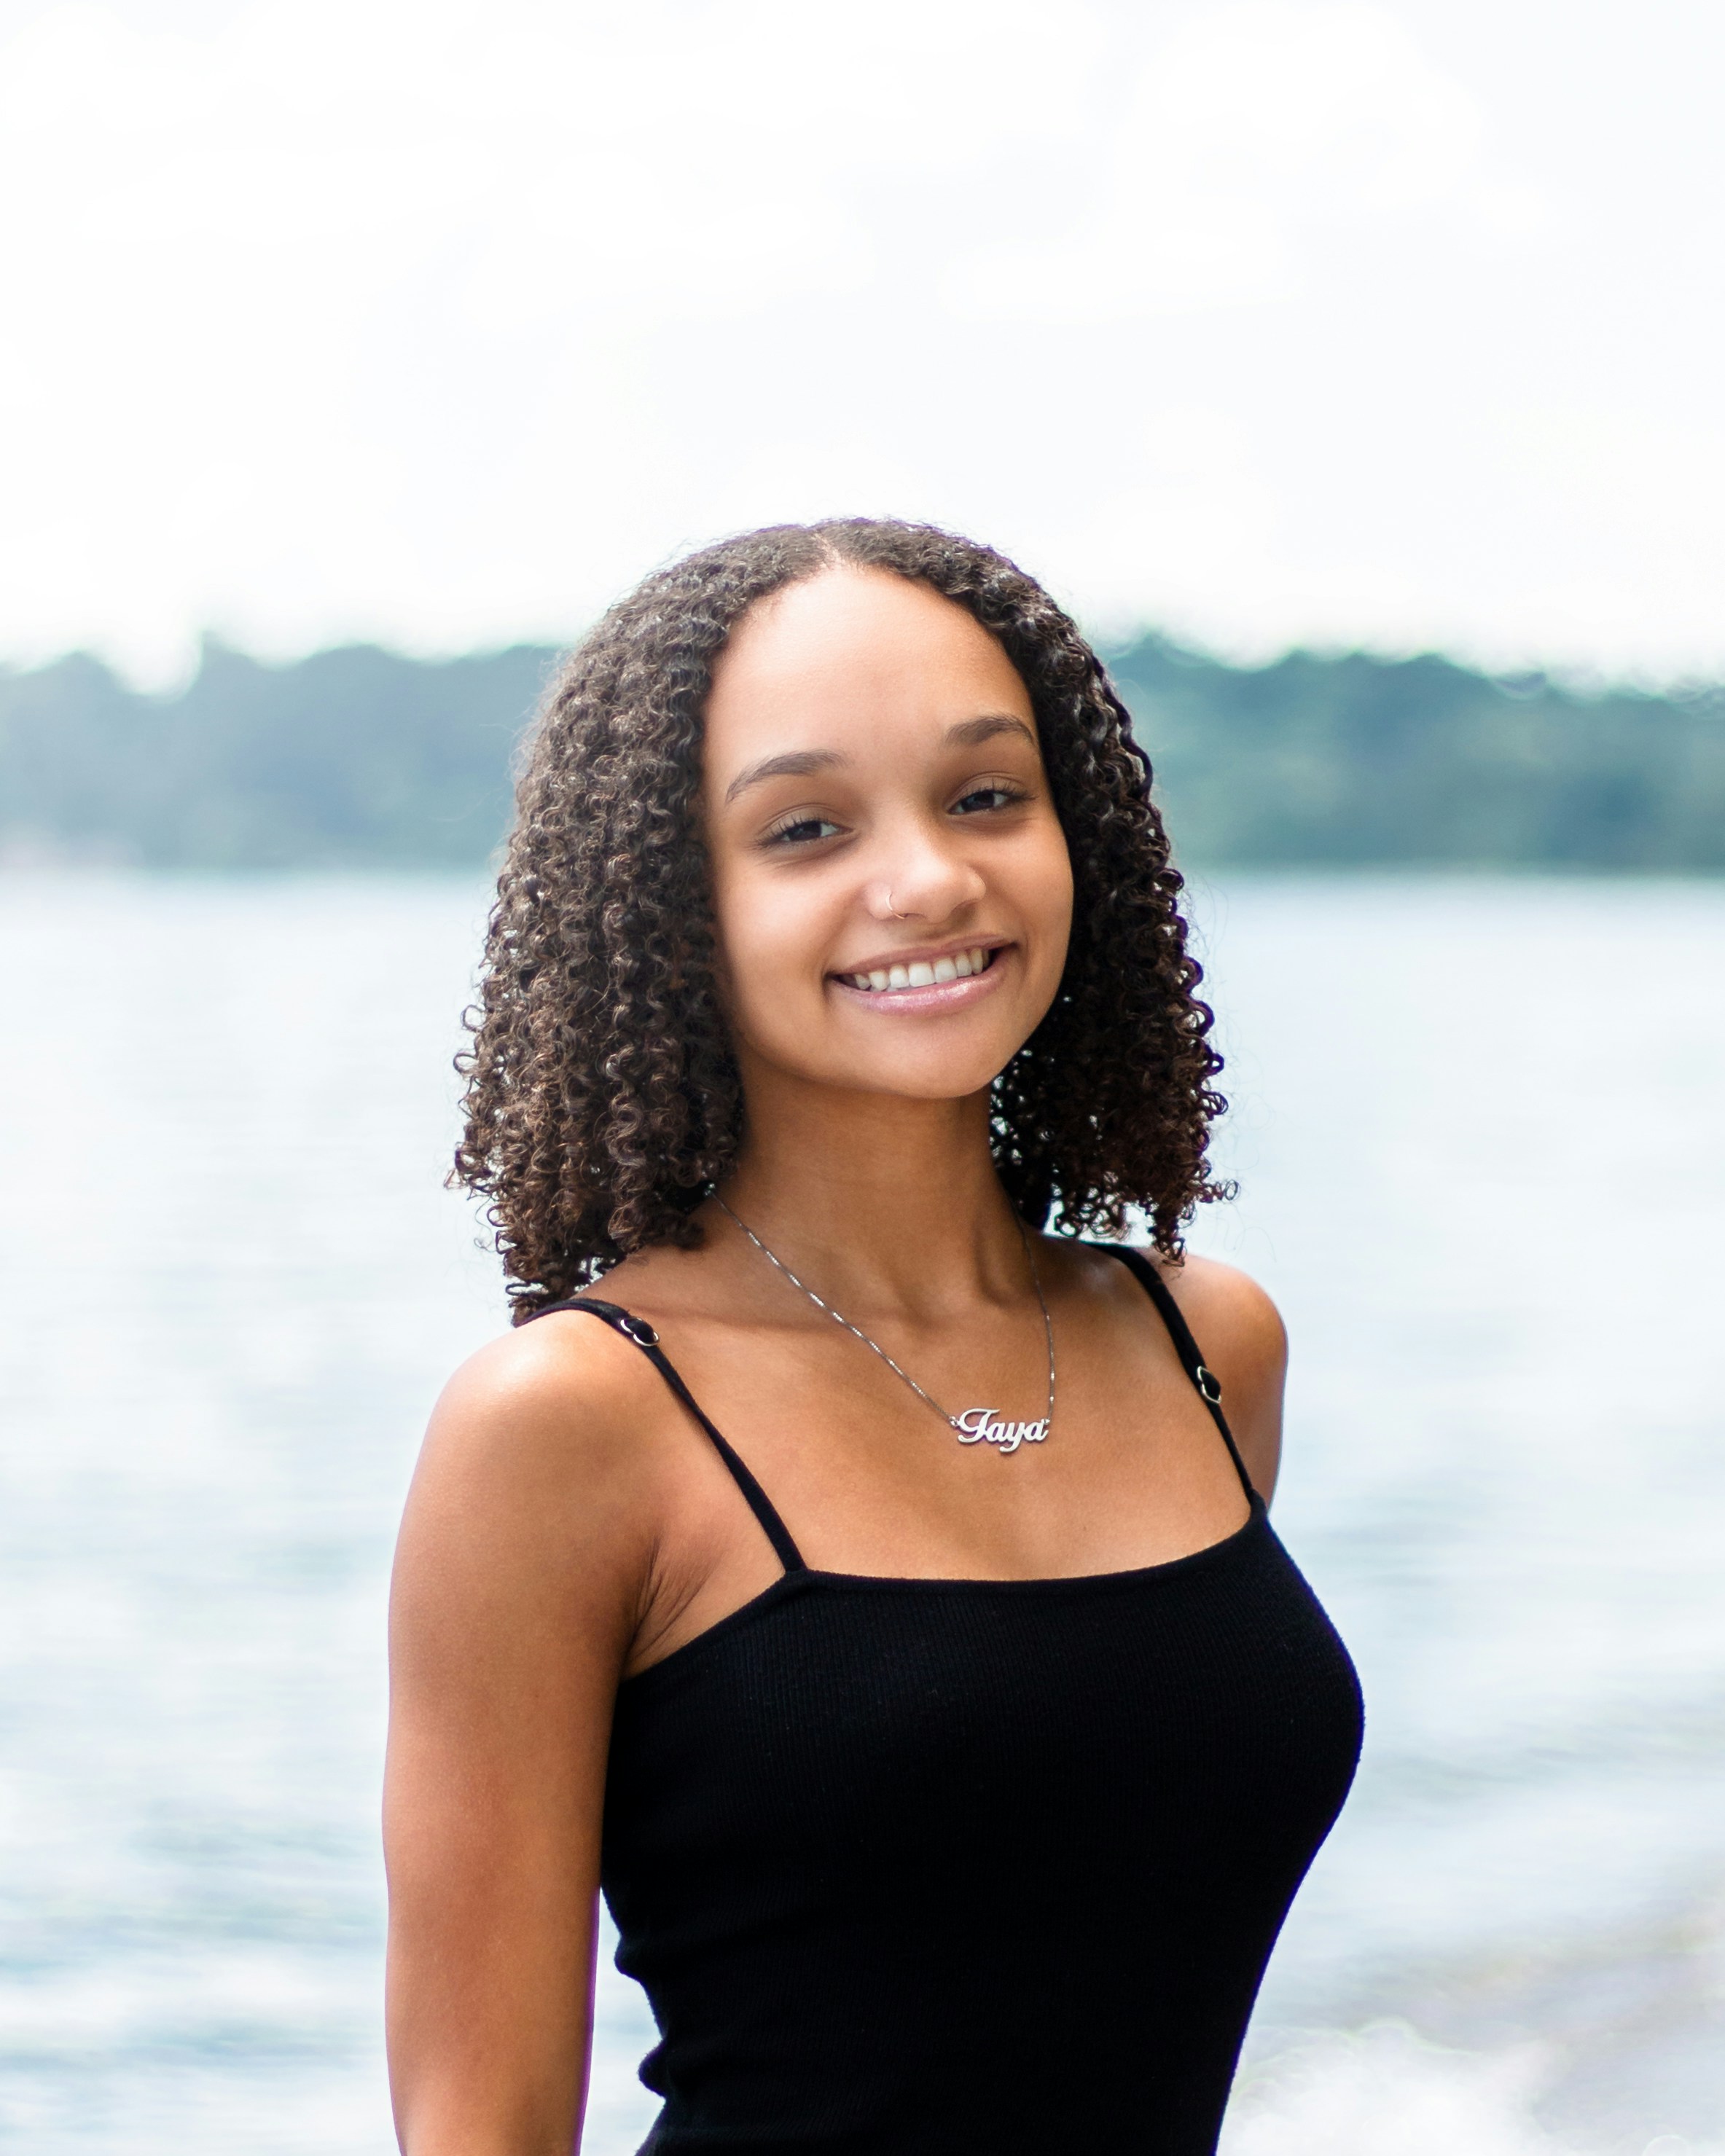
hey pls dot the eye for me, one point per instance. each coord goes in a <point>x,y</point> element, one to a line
<point>800,831</point>
<point>982,799</point>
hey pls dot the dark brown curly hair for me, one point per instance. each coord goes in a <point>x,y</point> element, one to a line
<point>602,1100</point>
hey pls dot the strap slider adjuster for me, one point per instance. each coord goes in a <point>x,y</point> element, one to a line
<point>1209,1384</point>
<point>640,1331</point>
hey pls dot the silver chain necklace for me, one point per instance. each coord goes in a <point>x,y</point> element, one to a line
<point>975,1425</point>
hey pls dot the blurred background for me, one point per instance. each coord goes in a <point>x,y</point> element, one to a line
<point>1352,370</point>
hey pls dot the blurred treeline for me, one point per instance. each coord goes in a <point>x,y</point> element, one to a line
<point>360,758</point>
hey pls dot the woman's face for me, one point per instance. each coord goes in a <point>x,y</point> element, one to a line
<point>891,884</point>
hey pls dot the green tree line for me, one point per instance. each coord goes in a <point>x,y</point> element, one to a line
<point>361,758</point>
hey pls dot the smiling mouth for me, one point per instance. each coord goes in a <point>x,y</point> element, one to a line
<point>922,972</point>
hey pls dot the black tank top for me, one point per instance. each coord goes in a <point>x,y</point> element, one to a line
<point>923,1867</point>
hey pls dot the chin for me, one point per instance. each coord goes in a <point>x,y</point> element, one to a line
<point>900,1060</point>
<point>915,1078</point>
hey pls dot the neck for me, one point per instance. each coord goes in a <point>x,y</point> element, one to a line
<point>891,1202</point>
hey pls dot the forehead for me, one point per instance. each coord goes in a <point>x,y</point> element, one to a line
<point>855,647</point>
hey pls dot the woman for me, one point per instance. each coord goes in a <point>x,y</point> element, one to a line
<point>865,1590</point>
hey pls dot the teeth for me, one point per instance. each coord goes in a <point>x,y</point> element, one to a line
<point>921,973</point>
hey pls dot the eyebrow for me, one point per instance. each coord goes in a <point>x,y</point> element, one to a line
<point>804,762</point>
<point>796,763</point>
<point>971,733</point>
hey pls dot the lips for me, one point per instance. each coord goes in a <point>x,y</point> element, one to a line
<point>922,973</point>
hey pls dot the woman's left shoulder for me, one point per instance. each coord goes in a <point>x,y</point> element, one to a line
<point>1226,1309</point>
<point>1230,1316</point>
<point>1240,1335</point>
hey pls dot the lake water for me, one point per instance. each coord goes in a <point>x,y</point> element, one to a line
<point>1481,1156</point>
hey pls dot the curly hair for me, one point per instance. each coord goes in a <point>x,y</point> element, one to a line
<point>602,1100</point>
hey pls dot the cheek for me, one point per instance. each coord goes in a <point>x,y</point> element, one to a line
<point>771,937</point>
<point>1045,893</point>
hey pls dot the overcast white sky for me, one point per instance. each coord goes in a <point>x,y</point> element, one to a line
<point>436,323</point>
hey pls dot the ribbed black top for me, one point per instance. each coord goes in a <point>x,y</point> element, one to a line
<point>957,1866</point>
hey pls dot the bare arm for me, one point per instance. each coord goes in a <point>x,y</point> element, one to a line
<point>518,1585</point>
<point>1245,1342</point>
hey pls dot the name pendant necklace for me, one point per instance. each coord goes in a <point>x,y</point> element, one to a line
<point>974,1425</point>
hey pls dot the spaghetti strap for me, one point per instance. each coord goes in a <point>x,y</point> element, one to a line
<point>641,1334</point>
<point>1185,1347</point>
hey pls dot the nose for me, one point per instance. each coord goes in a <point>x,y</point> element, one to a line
<point>921,873</point>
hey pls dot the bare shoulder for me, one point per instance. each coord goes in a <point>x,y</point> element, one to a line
<point>563,1394</point>
<point>1240,1335</point>
<point>563,1402</point>
<point>1231,1316</point>
<point>534,1489</point>
<point>1242,1338</point>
